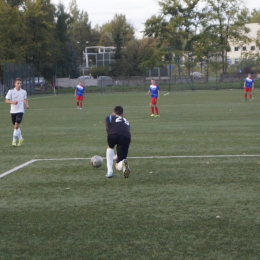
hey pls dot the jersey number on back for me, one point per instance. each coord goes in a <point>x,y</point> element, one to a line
<point>122,120</point>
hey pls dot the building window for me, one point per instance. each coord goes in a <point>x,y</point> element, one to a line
<point>236,48</point>
<point>236,61</point>
<point>244,48</point>
<point>252,48</point>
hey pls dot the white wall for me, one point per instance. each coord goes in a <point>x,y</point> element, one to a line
<point>239,52</point>
<point>71,83</point>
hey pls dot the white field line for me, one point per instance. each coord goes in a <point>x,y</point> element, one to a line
<point>16,168</point>
<point>36,160</point>
<point>146,157</point>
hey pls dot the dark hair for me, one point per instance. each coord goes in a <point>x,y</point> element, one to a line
<point>17,79</point>
<point>118,110</point>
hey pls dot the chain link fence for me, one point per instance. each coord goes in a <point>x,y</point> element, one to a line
<point>172,78</point>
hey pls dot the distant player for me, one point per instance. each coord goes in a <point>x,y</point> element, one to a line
<point>155,95</point>
<point>248,86</point>
<point>17,97</point>
<point>80,93</point>
<point>118,134</point>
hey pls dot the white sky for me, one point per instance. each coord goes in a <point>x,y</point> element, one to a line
<point>136,11</point>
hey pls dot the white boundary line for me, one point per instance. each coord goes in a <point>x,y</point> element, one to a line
<point>147,157</point>
<point>36,160</point>
<point>16,168</point>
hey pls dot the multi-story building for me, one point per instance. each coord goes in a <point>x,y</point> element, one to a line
<point>242,50</point>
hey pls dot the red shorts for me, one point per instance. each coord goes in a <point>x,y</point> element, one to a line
<point>153,101</point>
<point>79,98</point>
<point>248,90</point>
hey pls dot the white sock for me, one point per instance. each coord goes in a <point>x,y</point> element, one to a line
<point>110,155</point>
<point>120,165</point>
<point>15,135</point>
<point>19,134</point>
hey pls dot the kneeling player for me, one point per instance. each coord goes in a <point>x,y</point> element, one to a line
<point>118,134</point>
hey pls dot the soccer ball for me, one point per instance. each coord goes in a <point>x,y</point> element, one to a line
<point>96,161</point>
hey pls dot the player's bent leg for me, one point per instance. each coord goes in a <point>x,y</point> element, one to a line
<point>126,169</point>
<point>122,152</point>
<point>124,166</point>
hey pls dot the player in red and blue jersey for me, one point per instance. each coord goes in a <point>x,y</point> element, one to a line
<point>80,93</point>
<point>155,95</point>
<point>248,86</point>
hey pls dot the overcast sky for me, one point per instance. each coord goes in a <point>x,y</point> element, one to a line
<point>136,11</point>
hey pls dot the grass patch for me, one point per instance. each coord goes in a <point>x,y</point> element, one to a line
<point>166,209</point>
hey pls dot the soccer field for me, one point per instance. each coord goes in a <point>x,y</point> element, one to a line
<point>193,191</point>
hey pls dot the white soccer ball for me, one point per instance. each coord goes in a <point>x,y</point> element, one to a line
<point>96,161</point>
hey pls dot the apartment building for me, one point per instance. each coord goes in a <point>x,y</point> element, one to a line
<point>242,50</point>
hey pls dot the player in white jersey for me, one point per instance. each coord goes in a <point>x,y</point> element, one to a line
<point>17,97</point>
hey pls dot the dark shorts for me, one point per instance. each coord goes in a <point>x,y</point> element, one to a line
<point>17,118</point>
<point>122,145</point>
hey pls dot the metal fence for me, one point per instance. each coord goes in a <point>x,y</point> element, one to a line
<point>23,71</point>
<point>168,80</point>
<point>1,91</point>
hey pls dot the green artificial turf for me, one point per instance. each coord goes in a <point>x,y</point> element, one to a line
<point>193,191</point>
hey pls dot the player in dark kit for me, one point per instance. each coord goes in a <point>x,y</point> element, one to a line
<point>118,134</point>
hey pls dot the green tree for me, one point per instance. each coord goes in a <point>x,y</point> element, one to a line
<point>141,55</point>
<point>63,57</point>
<point>106,39</point>
<point>175,27</point>
<point>117,68</point>
<point>80,32</point>
<point>14,3</point>
<point>40,41</point>
<point>99,71</point>
<point>118,32</point>
<point>118,29</point>
<point>95,35</point>
<point>225,22</point>
<point>255,16</point>
<point>12,35</point>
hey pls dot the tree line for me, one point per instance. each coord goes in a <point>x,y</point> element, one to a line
<point>188,31</point>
